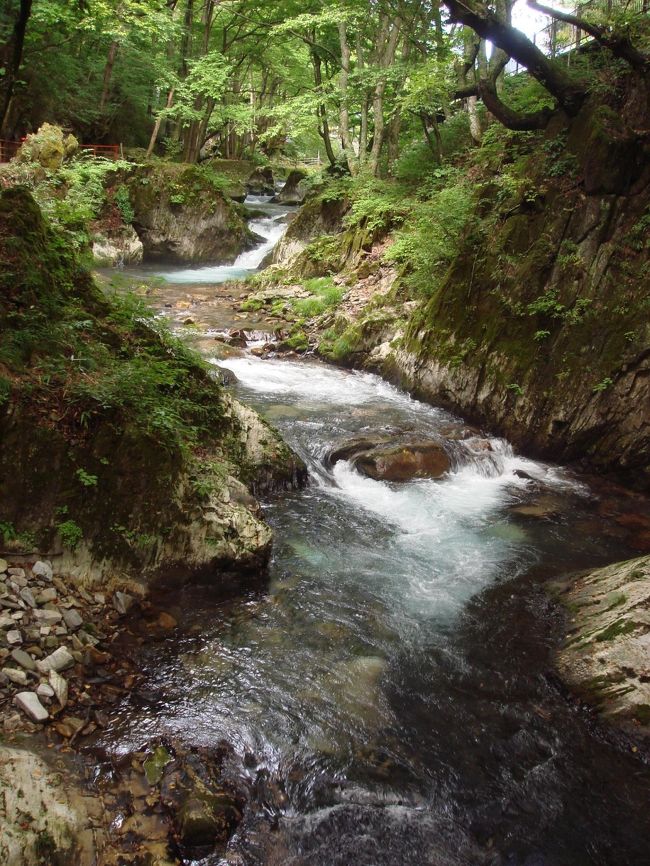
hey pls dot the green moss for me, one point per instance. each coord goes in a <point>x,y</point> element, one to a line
<point>616,629</point>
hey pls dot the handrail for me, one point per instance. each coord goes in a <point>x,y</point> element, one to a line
<point>8,149</point>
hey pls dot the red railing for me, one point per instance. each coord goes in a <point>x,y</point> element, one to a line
<point>8,149</point>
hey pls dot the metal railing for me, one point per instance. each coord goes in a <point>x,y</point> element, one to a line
<point>8,149</point>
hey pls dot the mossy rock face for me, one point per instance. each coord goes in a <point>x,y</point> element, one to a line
<point>119,452</point>
<point>182,217</point>
<point>606,650</point>
<point>48,147</point>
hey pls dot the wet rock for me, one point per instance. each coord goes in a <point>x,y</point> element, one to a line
<point>57,661</point>
<point>155,764</point>
<point>294,190</point>
<point>29,703</point>
<point>261,182</point>
<point>390,461</point>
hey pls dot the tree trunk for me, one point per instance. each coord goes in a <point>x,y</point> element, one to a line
<point>13,57</point>
<point>344,114</point>
<point>322,109</point>
<point>389,36</point>
<point>108,74</point>
<point>156,128</point>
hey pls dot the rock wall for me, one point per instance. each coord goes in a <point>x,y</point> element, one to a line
<point>605,654</point>
<point>181,217</point>
<point>91,481</point>
<point>541,327</point>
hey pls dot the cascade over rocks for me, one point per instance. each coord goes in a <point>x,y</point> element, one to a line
<point>384,459</point>
<point>180,217</point>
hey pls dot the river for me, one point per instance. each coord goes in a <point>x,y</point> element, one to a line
<point>389,691</point>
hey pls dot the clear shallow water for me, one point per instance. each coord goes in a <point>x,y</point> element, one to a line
<point>393,681</point>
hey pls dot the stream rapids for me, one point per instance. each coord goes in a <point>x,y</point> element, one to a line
<point>389,691</point>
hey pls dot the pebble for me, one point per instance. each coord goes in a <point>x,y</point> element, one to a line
<point>59,687</point>
<point>48,594</point>
<point>59,660</point>
<point>28,596</point>
<point>15,675</point>
<point>14,637</point>
<point>48,617</point>
<point>29,703</point>
<point>42,569</point>
<point>72,619</point>
<point>4,565</point>
<point>6,621</point>
<point>17,572</point>
<point>45,691</point>
<point>122,602</point>
<point>23,659</point>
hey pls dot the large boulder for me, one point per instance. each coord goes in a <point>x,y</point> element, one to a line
<point>116,249</point>
<point>261,182</point>
<point>181,217</point>
<point>48,147</point>
<point>294,190</point>
<point>395,461</point>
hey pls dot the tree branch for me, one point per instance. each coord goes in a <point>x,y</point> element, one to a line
<point>618,43</point>
<point>507,116</point>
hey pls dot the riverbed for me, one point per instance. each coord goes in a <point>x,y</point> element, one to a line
<point>389,688</point>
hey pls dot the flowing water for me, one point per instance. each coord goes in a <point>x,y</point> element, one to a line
<point>390,692</point>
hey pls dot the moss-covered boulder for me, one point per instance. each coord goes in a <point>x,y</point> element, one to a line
<point>48,147</point>
<point>184,215</point>
<point>120,455</point>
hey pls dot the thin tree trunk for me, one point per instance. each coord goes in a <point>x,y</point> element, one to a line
<point>389,35</point>
<point>322,110</point>
<point>156,128</point>
<point>108,74</point>
<point>344,114</point>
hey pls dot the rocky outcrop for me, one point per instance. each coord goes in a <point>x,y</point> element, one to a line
<point>182,217</point>
<point>294,190</point>
<point>606,654</point>
<point>136,463</point>
<point>540,329</point>
<point>48,147</point>
<point>316,219</point>
<point>117,248</point>
<point>261,182</point>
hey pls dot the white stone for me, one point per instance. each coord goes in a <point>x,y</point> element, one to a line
<point>72,619</point>
<point>45,690</point>
<point>122,602</point>
<point>17,572</point>
<point>59,660</point>
<point>15,675</point>
<point>48,617</point>
<point>28,596</point>
<point>42,569</point>
<point>14,637</point>
<point>48,594</point>
<point>29,703</point>
<point>59,687</point>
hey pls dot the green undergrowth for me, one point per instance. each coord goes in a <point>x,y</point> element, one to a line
<point>65,347</point>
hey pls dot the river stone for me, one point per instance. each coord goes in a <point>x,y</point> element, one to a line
<point>45,691</point>
<point>59,660</point>
<point>14,637</point>
<point>48,617</point>
<point>23,659</point>
<point>29,703</point>
<point>28,596</point>
<point>59,686</point>
<point>122,602</point>
<point>16,676</point>
<point>72,619</point>
<point>404,461</point>
<point>46,595</point>
<point>4,565</point>
<point>42,569</point>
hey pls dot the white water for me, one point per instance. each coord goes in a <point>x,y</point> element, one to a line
<point>270,227</point>
<point>442,540</point>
